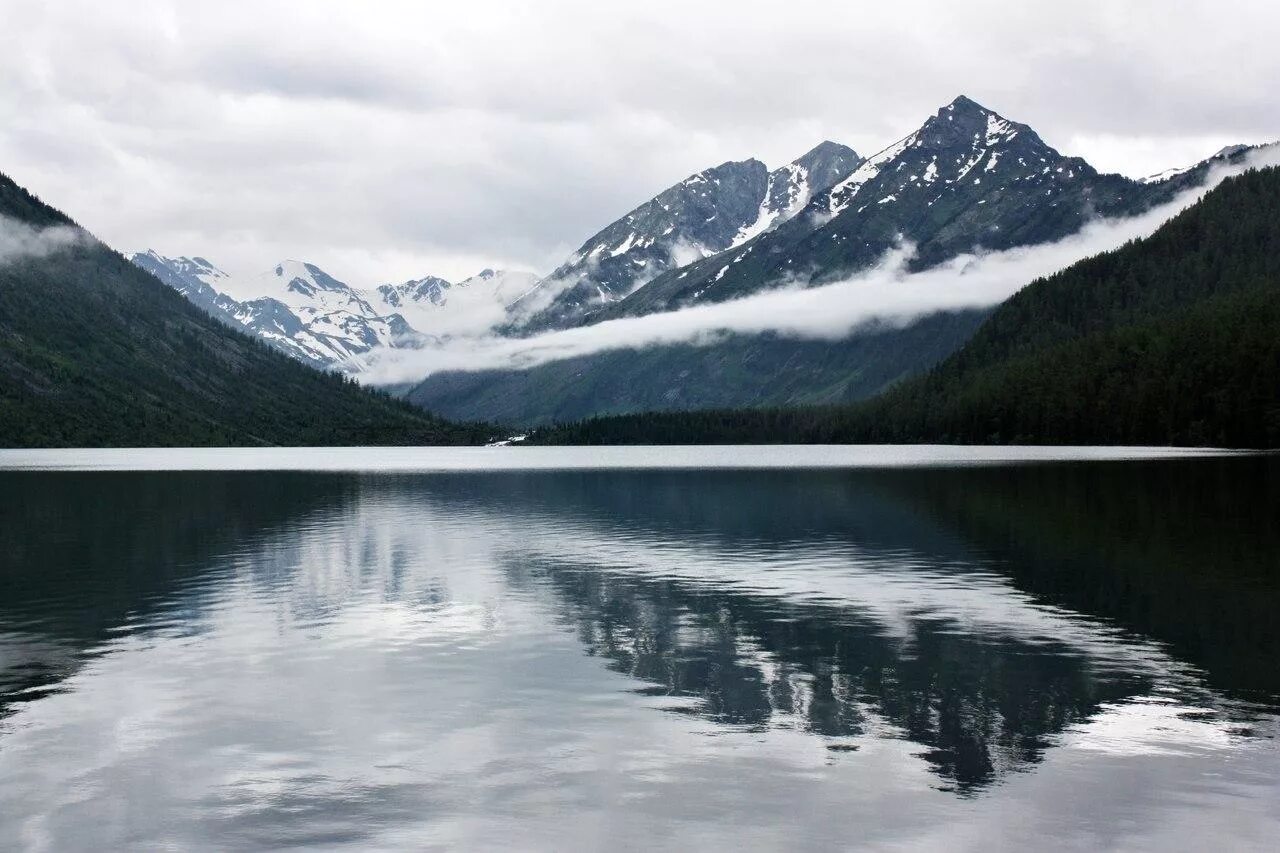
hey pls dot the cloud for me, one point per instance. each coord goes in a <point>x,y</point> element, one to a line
<point>684,252</point>
<point>392,140</point>
<point>885,295</point>
<point>19,240</point>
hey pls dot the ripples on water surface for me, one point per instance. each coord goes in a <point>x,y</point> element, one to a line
<point>1058,654</point>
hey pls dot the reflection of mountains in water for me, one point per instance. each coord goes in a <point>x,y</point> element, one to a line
<point>981,613</point>
<point>1182,552</point>
<point>964,650</point>
<point>980,705</point>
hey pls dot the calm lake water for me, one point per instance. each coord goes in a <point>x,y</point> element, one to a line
<point>559,649</point>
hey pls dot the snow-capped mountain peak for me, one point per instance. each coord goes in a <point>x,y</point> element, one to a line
<point>707,212</point>
<point>299,308</point>
<point>295,306</point>
<point>192,271</point>
<point>791,187</point>
<point>306,278</point>
<point>968,179</point>
<point>195,278</point>
<point>946,149</point>
<point>1222,154</point>
<point>441,308</point>
<point>428,289</point>
<point>295,283</point>
<point>500,285</point>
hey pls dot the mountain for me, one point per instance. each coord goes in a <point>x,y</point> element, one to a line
<point>295,307</point>
<point>1174,339</point>
<point>94,351</point>
<point>306,313</point>
<point>195,278</point>
<point>428,290</point>
<point>745,370</point>
<point>715,209</point>
<point>439,308</point>
<point>967,180</point>
<point>1228,153</point>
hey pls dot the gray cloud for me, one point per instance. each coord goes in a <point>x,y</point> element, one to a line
<point>391,140</point>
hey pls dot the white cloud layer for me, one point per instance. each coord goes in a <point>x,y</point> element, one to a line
<point>20,240</point>
<point>886,295</point>
<point>386,141</point>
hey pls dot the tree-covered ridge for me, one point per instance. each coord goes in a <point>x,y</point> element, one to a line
<point>95,352</point>
<point>1174,339</point>
<point>761,370</point>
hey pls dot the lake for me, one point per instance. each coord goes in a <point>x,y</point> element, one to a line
<point>659,648</point>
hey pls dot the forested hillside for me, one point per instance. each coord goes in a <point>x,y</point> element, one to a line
<point>96,352</point>
<point>1174,339</point>
<point>742,370</point>
<point>967,180</point>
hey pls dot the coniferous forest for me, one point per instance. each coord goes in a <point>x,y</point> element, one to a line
<point>95,352</point>
<point>1174,339</point>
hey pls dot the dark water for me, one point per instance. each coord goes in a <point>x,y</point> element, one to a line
<point>1078,655</point>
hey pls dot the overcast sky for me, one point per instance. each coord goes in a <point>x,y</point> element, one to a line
<point>386,140</point>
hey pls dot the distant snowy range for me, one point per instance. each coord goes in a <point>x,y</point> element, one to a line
<point>307,313</point>
<point>302,310</point>
<point>823,280</point>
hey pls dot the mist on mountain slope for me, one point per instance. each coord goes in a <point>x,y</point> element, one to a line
<point>19,239</point>
<point>886,295</point>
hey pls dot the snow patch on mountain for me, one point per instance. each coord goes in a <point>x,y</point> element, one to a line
<point>843,193</point>
<point>436,307</point>
<point>706,213</point>
<point>303,311</point>
<point>295,306</point>
<point>1222,155</point>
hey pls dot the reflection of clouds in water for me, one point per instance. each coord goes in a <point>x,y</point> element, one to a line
<point>907,599</point>
<point>1158,725</point>
<point>395,670</point>
<point>901,593</point>
<point>977,725</point>
<point>424,460</point>
<point>898,591</point>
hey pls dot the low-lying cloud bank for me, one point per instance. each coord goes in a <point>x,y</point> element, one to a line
<point>887,295</point>
<point>19,239</point>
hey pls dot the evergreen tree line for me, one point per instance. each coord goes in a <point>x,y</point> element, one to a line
<point>95,352</point>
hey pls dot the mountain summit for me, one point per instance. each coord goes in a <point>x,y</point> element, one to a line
<point>966,179</point>
<point>296,307</point>
<point>441,308</point>
<point>301,310</point>
<point>708,212</point>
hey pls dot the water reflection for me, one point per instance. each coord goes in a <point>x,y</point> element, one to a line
<point>326,659</point>
<point>846,605</point>
<point>86,557</point>
<point>980,705</point>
